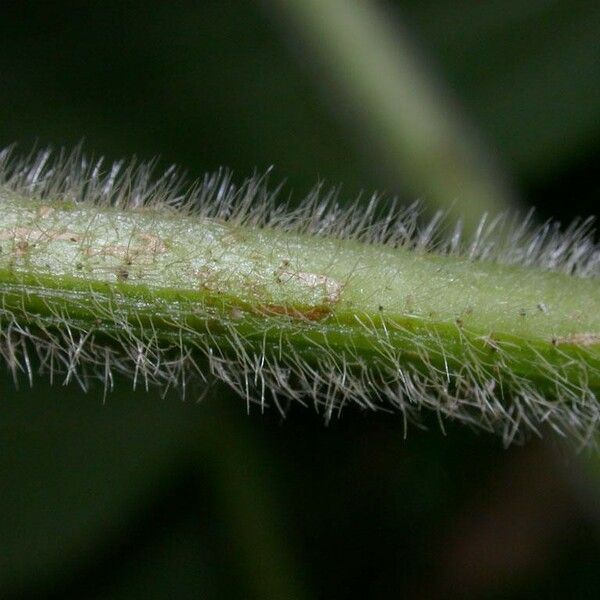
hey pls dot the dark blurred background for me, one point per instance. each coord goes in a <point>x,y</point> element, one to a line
<point>150,497</point>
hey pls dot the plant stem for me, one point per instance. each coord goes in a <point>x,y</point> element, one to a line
<point>152,282</point>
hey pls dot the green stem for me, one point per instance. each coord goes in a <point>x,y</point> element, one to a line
<point>306,316</point>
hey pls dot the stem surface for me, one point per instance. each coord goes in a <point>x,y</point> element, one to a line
<point>156,277</point>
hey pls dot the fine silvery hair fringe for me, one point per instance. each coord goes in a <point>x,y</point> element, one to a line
<point>73,353</point>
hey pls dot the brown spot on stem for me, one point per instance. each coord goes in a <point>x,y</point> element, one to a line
<point>315,313</point>
<point>153,243</point>
<point>122,274</point>
<point>578,339</point>
<point>22,247</point>
<point>33,236</point>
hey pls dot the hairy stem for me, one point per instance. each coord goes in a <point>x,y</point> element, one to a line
<point>269,306</point>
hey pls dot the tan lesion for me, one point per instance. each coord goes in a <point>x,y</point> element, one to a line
<point>578,339</point>
<point>313,313</point>
<point>33,236</point>
<point>25,238</point>
<point>152,243</point>
<point>324,293</point>
<point>151,246</point>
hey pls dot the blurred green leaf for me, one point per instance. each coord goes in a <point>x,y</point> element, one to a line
<point>528,72</point>
<point>73,470</point>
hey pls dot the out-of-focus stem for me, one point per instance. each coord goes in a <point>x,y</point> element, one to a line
<point>403,115</point>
